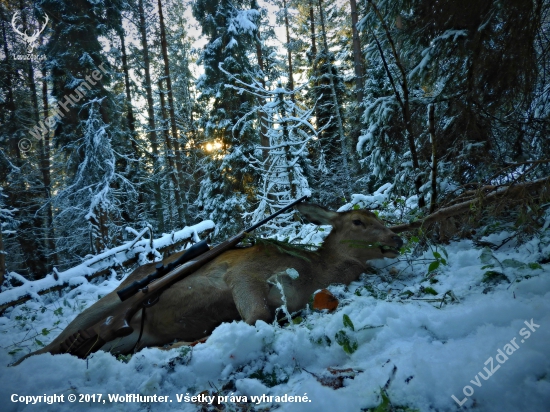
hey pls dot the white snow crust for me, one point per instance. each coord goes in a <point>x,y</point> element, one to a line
<point>437,348</point>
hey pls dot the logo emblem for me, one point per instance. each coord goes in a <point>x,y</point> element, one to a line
<point>30,41</point>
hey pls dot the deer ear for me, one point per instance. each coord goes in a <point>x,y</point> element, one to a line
<point>316,214</point>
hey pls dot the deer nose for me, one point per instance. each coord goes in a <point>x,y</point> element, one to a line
<point>398,241</point>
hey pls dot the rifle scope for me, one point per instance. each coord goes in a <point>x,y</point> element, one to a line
<point>194,251</point>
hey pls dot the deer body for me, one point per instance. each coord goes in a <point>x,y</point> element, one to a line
<point>246,283</point>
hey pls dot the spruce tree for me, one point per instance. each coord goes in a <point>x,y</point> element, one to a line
<point>229,184</point>
<point>475,62</point>
<point>81,77</point>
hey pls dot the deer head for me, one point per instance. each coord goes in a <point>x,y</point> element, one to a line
<point>356,233</point>
<point>29,40</point>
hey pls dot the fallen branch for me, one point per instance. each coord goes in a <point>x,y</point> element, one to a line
<point>118,257</point>
<point>459,208</point>
<point>509,166</point>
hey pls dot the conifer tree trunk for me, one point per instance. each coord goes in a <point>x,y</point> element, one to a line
<point>170,158</point>
<point>359,83</point>
<point>130,118</point>
<point>171,109</point>
<point>171,172</point>
<point>357,55</point>
<point>313,54</point>
<point>189,107</point>
<point>431,130</point>
<point>30,70</point>
<point>403,102</point>
<point>151,115</point>
<point>312,31</point>
<point>10,104</point>
<point>289,55</point>
<point>286,148</point>
<point>32,245</point>
<point>46,174</point>
<point>2,261</point>
<point>343,142</point>
<point>165,133</point>
<point>264,141</point>
<point>129,109</point>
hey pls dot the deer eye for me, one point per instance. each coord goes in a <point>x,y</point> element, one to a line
<point>357,222</point>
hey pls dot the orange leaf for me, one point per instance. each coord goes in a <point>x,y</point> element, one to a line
<point>325,300</point>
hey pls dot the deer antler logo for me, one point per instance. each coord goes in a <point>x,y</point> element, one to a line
<point>29,40</point>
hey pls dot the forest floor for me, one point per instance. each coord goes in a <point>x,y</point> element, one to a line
<point>397,340</point>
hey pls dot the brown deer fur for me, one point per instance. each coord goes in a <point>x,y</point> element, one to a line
<point>242,283</point>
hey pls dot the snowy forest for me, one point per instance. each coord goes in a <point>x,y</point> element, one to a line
<point>130,129</point>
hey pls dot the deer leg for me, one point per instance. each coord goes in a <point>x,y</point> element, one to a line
<point>250,297</point>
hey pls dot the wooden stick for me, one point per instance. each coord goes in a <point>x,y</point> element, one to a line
<point>502,192</point>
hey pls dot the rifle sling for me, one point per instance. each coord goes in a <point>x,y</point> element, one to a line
<point>144,306</point>
<point>140,329</point>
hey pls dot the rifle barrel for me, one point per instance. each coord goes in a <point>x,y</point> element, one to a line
<point>267,219</point>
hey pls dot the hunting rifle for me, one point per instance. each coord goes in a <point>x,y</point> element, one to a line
<point>146,293</point>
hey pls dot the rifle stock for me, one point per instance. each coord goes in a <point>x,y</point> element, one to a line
<point>90,340</point>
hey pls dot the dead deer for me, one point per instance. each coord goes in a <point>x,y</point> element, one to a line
<point>247,283</point>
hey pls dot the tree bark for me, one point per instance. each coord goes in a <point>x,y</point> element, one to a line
<point>44,163</point>
<point>2,260</point>
<point>312,31</point>
<point>46,174</point>
<point>264,141</point>
<point>32,244</point>
<point>358,67</point>
<point>10,104</point>
<point>343,142</point>
<point>357,55</point>
<point>403,103</point>
<point>312,56</point>
<point>286,147</point>
<point>170,158</point>
<point>172,111</point>
<point>431,130</point>
<point>129,108</point>
<point>151,116</point>
<point>289,55</point>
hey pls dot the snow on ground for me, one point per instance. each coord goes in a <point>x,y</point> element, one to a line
<point>423,351</point>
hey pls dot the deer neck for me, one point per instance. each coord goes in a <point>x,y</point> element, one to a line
<point>334,260</point>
